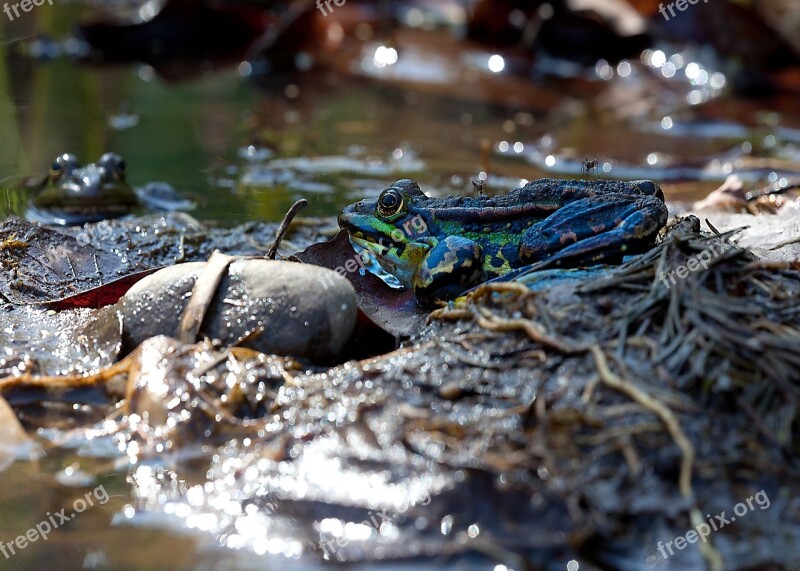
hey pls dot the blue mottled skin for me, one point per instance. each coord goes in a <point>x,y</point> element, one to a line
<point>441,247</point>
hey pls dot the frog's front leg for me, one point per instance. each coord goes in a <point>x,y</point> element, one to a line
<point>450,268</point>
<point>594,230</point>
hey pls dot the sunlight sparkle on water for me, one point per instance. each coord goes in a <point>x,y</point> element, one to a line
<point>657,59</point>
<point>385,56</point>
<point>497,63</point>
<point>446,525</point>
<point>717,80</point>
<point>604,70</point>
<point>148,11</point>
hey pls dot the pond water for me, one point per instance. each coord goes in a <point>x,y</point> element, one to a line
<point>245,147</point>
<point>332,135</point>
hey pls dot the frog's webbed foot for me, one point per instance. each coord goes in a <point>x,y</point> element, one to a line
<point>595,230</point>
<point>449,269</point>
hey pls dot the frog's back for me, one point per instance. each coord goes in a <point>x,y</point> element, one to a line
<point>536,200</point>
<point>500,223</point>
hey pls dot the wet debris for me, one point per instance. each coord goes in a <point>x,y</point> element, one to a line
<point>94,264</point>
<point>585,421</point>
<point>734,196</point>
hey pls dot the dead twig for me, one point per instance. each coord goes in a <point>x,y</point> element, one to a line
<point>287,220</point>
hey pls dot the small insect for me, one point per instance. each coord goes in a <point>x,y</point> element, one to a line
<point>589,165</point>
<point>480,185</point>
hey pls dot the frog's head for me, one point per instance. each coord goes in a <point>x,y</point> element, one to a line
<point>104,177</point>
<point>95,191</point>
<point>395,227</point>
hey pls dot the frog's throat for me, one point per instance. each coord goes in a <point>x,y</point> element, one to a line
<point>387,255</point>
<point>374,247</point>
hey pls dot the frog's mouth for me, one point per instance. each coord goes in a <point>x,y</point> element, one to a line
<point>368,243</point>
<point>388,256</point>
<point>364,236</point>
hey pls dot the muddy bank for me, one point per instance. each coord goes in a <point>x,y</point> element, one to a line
<point>594,420</point>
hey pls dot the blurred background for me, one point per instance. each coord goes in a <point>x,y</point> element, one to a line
<point>248,105</point>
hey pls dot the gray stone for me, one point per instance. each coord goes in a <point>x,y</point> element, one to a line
<point>306,311</point>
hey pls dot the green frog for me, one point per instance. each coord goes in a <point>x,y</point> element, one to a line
<point>441,247</point>
<point>73,194</point>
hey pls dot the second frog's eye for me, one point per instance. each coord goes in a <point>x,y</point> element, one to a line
<point>114,163</point>
<point>390,202</point>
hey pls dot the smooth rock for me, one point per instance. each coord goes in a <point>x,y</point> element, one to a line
<point>306,311</point>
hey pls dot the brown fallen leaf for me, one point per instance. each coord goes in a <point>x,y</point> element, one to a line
<point>40,265</point>
<point>394,311</point>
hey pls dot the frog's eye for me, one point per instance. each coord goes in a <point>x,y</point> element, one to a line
<point>390,202</point>
<point>114,163</point>
<point>63,164</point>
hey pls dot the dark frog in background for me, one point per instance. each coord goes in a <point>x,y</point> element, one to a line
<point>72,193</point>
<point>441,247</point>
<point>75,194</point>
